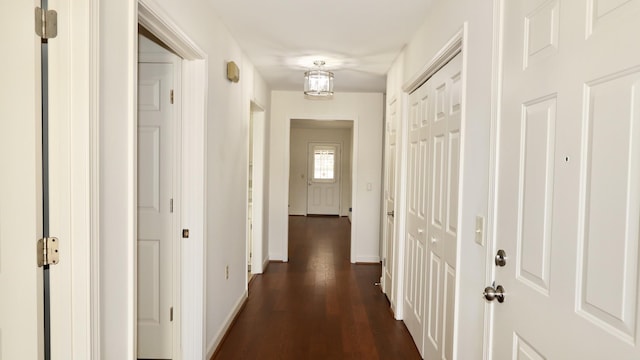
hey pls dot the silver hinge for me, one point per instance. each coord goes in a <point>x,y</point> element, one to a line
<point>172,96</point>
<point>46,23</point>
<point>249,267</point>
<point>170,205</point>
<point>171,314</point>
<point>48,251</point>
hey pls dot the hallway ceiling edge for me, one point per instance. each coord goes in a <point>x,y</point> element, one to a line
<point>358,39</point>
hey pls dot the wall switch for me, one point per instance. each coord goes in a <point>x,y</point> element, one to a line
<point>479,230</point>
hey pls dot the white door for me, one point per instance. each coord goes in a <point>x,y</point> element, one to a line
<point>432,216</point>
<point>390,200</point>
<point>323,195</point>
<point>155,183</point>
<point>21,334</point>
<point>416,226</point>
<point>568,195</point>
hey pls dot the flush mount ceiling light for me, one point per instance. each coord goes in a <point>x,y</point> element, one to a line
<point>318,82</point>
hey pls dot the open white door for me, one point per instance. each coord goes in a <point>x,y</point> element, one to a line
<point>389,240</point>
<point>21,335</point>
<point>323,195</point>
<point>155,210</point>
<point>568,199</point>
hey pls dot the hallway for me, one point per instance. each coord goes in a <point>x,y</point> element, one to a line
<point>318,305</point>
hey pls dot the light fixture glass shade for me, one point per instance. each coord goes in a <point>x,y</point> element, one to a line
<point>318,83</point>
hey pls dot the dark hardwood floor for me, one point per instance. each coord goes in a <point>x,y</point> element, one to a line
<point>318,305</point>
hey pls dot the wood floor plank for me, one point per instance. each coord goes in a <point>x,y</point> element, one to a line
<point>318,305</point>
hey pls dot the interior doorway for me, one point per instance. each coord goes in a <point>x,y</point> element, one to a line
<point>325,136</point>
<point>158,198</point>
<point>255,191</point>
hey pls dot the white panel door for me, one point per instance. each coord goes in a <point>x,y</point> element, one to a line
<point>20,185</point>
<point>389,239</point>
<point>443,118</point>
<point>323,193</point>
<point>568,199</point>
<point>155,172</point>
<point>432,210</point>
<point>416,221</point>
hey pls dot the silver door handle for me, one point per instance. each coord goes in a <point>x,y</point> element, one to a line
<point>391,213</point>
<point>490,293</point>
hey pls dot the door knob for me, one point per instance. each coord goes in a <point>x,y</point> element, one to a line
<point>391,213</point>
<point>501,258</point>
<point>490,293</point>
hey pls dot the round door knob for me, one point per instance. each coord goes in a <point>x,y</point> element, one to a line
<point>490,293</point>
<point>501,258</point>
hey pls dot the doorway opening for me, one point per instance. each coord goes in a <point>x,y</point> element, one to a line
<point>255,194</point>
<point>320,167</point>
<point>158,251</point>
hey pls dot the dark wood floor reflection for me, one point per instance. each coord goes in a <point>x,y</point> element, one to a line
<point>318,305</point>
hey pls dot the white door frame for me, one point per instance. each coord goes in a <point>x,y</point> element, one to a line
<point>190,179</point>
<point>258,262</point>
<point>490,229</point>
<point>354,178</point>
<point>73,156</point>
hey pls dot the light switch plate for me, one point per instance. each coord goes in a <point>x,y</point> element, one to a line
<point>479,230</point>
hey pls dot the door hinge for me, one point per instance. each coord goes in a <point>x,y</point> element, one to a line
<point>171,314</point>
<point>172,96</point>
<point>48,251</point>
<point>46,23</point>
<point>248,267</point>
<point>170,205</point>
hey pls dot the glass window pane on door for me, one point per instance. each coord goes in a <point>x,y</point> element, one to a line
<point>323,164</point>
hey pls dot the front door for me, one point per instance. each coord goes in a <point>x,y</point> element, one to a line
<point>155,210</point>
<point>323,195</point>
<point>568,195</point>
<point>21,305</point>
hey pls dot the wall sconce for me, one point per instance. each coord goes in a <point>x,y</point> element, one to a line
<point>233,72</point>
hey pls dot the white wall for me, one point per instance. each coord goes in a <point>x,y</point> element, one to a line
<point>365,109</point>
<point>298,163</point>
<point>444,20</point>
<point>228,106</point>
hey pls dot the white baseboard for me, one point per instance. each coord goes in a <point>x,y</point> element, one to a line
<point>265,263</point>
<point>367,259</point>
<point>213,345</point>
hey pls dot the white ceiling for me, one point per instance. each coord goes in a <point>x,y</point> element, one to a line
<point>358,39</point>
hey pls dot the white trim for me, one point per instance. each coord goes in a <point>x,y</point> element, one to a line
<point>73,118</point>
<point>496,94</point>
<point>213,345</point>
<point>194,147</point>
<point>401,201</point>
<point>94,178</point>
<point>154,19</point>
<point>448,52</point>
<point>367,259</point>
